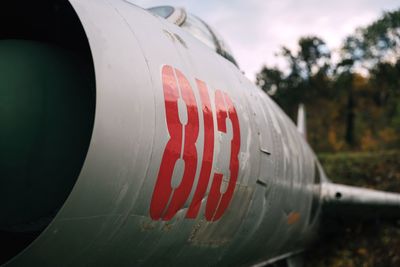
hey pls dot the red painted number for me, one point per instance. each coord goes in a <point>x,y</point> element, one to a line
<point>208,151</point>
<point>218,202</point>
<point>166,200</point>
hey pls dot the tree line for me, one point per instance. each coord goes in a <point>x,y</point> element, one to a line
<point>352,98</point>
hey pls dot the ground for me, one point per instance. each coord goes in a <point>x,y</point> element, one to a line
<point>366,244</point>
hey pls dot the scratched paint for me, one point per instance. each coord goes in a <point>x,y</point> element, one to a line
<point>140,128</point>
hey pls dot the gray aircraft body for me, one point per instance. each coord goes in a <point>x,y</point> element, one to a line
<point>131,138</point>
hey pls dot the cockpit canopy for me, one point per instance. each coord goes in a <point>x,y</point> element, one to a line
<point>196,27</point>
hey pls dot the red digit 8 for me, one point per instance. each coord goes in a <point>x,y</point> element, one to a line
<point>218,202</point>
<point>163,193</point>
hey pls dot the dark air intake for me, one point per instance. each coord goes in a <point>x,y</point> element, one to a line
<point>47,106</point>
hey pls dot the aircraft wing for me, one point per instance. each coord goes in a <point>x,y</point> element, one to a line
<point>349,202</point>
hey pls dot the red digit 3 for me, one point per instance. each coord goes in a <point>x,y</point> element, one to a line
<point>218,202</point>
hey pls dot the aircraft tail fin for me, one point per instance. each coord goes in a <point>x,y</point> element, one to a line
<point>301,121</point>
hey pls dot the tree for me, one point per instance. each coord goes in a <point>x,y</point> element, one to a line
<point>306,77</point>
<point>353,104</point>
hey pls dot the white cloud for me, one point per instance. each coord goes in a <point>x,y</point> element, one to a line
<point>255,29</point>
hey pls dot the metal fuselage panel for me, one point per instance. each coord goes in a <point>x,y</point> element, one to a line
<point>106,220</point>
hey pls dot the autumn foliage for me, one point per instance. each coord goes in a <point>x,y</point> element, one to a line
<point>352,98</point>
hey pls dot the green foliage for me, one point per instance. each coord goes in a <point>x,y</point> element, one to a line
<point>377,170</point>
<point>353,105</point>
<point>382,38</point>
<point>346,110</point>
<point>368,244</point>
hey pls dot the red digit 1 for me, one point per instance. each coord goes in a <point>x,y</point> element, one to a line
<point>218,202</point>
<point>166,201</point>
<point>208,151</point>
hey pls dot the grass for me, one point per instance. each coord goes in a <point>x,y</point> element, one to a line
<point>377,170</point>
<point>366,244</point>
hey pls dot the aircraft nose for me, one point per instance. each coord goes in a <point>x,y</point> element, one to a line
<point>46,119</point>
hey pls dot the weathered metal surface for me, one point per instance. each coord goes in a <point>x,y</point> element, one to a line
<point>106,219</point>
<point>159,91</point>
<point>349,202</point>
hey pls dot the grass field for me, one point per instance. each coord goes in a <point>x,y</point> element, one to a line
<point>366,244</point>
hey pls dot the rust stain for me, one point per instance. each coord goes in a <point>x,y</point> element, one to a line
<point>147,226</point>
<point>293,218</point>
<point>167,227</point>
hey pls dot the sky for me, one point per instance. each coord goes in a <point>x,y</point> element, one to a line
<point>255,30</point>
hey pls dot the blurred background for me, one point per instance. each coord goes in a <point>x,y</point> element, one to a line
<point>353,100</point>
<point>340,59</point>
<point>352,97</point>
